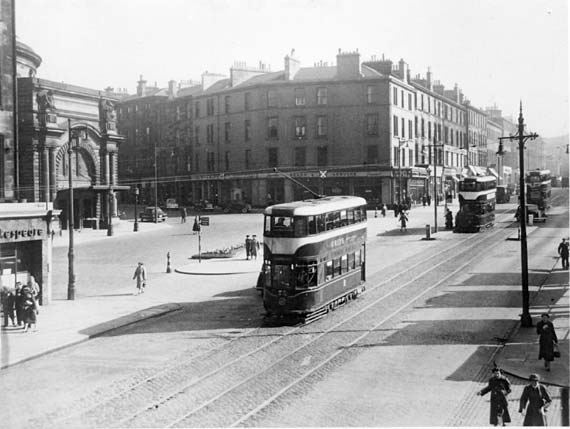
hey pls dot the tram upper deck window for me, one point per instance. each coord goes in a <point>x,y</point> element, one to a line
<point>468,186</point>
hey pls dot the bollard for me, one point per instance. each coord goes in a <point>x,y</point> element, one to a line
<point>168,270</point>
<point>428,232</point>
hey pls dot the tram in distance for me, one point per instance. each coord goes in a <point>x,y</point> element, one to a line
<point>314,254</point>
<point>476,203</point>
<point>538,190</point>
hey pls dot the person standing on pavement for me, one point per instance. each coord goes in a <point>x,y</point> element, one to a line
<point>547,339</point>
<point>254,247</point>
<point>500,387</point>
<point>538,399</point>
<point>247,247</point>
<point>18,302</point>
<point>29,309</point>
<point>563,252</point>
<point>8,301</point>
<point>182,214</point>
<point>140,276</point>
<point>383,210</point>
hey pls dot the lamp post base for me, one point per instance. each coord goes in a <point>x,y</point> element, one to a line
<point>526,320</point>
<point>136,227</point>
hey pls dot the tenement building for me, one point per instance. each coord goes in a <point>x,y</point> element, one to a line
<point>360,128</point>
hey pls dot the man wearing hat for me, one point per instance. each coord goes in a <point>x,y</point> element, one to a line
<point>538,399</point>
<point>500,387</point>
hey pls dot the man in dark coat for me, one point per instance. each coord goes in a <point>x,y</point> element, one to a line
<point>538,399</point>
<point>563,252</point>
<point>247,247</point>
<point>547,339</point>
<point>500,387</point>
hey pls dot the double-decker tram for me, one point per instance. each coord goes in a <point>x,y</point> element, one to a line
<point>314,254</point>
<point>476,203</point>
<point>538,189</point>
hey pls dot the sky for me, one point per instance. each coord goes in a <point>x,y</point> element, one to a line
<point>499,52</point>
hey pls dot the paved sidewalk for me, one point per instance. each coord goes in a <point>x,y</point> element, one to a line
<point>519,357</point>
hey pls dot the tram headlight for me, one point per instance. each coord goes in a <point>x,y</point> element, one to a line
<point>282,300</point>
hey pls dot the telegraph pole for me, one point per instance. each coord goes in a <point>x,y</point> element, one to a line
<point>526,319</point>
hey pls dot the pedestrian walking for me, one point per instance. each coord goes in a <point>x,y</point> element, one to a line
<point>424,200</point>
<point>538,400</point>
<point>182,214</point>
<point>383,210</point>
<point>140,276</point>
<point>500,387</point>
<point>563,252</point>
<point>403,221</point>
<point>429,200</point>
<point>247,247</point>
<point>8,305</point>
<point>254,247</point>
<point>29,309</point>
<point>547,340</point>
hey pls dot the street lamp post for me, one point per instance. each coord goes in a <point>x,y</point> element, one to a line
<point>155,186</point>
<point>136,227</point>
<point>70,254</point>
<point>526,319</point>
<point>405,142</point>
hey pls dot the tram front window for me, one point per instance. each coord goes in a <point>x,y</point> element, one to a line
<point>282,276</point>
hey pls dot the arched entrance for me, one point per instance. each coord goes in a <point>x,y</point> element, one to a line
<point>82,165</point>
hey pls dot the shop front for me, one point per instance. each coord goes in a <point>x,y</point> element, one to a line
<point>26,231</point>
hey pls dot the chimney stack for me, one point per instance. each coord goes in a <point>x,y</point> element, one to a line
<point>428,78</point>
<point>292,66</point>
<point>348,65</point>
<point>171,88</point>
<point>141,86</point>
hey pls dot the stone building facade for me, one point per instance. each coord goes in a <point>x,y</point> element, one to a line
<point>54,116</point>
<point>362,128</point>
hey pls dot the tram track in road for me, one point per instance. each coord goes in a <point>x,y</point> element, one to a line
<point>179,377</point>
<point>187,399</point>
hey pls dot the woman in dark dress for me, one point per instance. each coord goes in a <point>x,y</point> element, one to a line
<point>29,308</point>
<point>538,399</point>
<point>500,387</point>
<point>547,339</point>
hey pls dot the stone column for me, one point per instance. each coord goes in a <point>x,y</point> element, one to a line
<point>53,174</point>
<point>45,174</point>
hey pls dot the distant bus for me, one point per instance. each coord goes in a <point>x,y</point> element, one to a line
<point>538,190</point>
<point>476,203</point>
<point>314,255</point>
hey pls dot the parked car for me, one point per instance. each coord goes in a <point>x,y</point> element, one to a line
<point>236,207</point>
<point>171,203</point>
<point>148,215</point>
<point>204,206</point>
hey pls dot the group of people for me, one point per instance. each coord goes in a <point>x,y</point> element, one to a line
<point>251,247</point>
<point>20,305</point>
<point>535,398</point>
